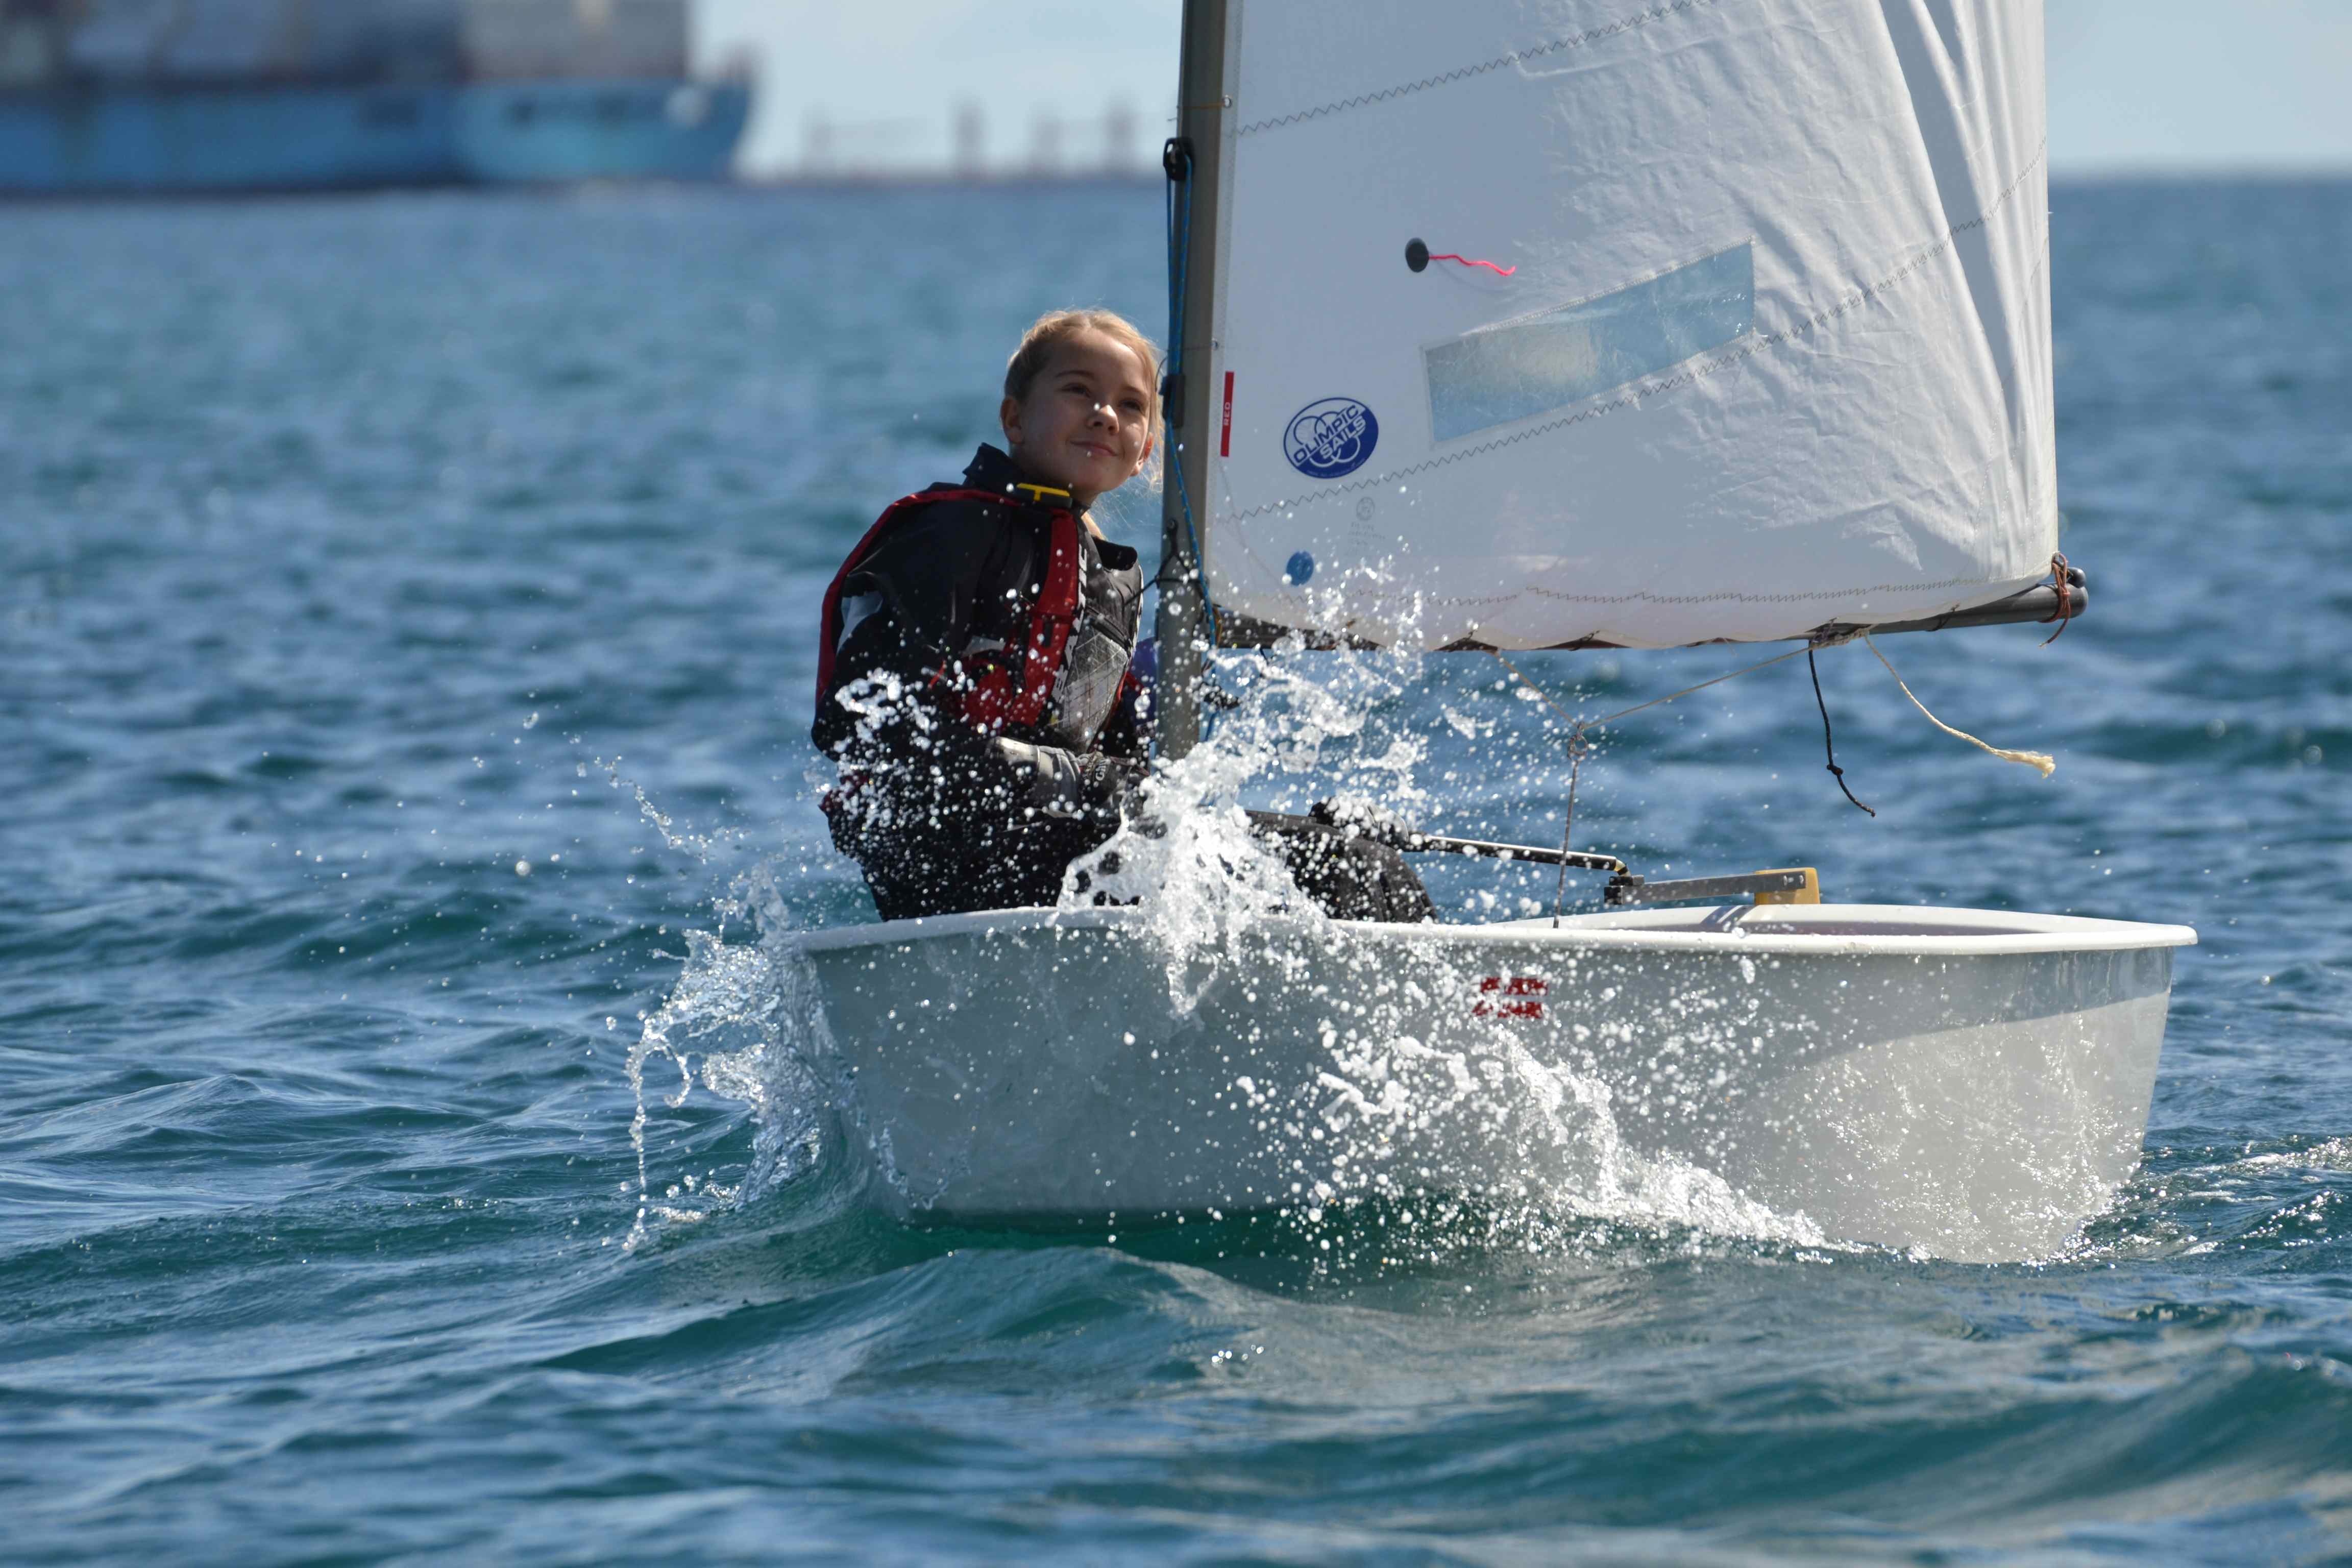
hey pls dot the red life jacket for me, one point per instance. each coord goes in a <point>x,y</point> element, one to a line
<point>1003,688</point>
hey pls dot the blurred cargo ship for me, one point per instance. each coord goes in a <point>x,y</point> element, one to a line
<point>184,96</point>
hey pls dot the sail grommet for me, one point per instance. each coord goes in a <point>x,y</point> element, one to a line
<point>1416,255</point>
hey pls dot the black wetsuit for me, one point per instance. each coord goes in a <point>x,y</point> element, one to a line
<point>942,815</point>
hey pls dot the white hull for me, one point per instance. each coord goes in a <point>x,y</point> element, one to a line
<point>1969,1083</point>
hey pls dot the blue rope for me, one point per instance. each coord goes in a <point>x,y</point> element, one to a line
<point>1180,243</point>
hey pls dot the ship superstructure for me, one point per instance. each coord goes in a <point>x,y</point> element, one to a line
<point>184,96</point>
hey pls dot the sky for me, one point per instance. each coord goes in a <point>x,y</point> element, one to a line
<point>2133,84</point>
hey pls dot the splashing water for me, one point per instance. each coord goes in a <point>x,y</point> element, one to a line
<point>1212,1027</point>
<point>1187,855</point>
<point>760,1000</point>
<point>701,846</point>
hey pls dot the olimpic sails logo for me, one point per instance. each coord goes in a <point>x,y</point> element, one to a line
<point>1330,438</point>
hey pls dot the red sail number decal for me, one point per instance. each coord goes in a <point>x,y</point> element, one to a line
<point>1510,997</point>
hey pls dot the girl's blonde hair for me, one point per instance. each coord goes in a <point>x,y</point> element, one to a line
<point>1056,327</point>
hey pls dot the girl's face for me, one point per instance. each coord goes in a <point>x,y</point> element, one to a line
<point>1084,425</point>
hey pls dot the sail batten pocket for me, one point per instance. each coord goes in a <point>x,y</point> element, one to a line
<point>1516,370</point>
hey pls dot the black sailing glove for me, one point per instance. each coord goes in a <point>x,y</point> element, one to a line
<point>1069,784</point>
<point>1360,819</point>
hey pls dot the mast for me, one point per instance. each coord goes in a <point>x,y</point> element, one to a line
<point>1195,162</point>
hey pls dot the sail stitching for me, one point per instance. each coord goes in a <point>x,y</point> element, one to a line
<point>1465,73</point>
<point>1700,370</point>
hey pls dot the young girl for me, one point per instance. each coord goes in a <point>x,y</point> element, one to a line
<point>973,680</point>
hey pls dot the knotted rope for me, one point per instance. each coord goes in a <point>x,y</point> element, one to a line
<point>2039,762</point>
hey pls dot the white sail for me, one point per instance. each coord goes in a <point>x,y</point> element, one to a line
<point>1773,350</point>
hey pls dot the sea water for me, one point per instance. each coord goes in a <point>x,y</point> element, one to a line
<point>407,613</point>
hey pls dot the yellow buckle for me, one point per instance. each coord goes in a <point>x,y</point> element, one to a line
<point>1038,494</point>
<point>1811,893</point>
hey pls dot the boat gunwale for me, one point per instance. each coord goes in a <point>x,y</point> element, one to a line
<point>1633,933</point>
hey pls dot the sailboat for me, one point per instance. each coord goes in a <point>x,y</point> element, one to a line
<point>1594,324</point>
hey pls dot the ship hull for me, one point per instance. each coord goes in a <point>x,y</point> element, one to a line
<point>531,132</point>
<point>122,141</point>
<point>143,141</point>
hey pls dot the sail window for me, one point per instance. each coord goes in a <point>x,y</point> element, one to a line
<point>1518,369</point>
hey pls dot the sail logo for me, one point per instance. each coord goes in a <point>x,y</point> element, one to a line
<point>1330,438</point>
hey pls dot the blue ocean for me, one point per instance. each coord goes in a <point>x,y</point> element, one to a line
<point>407,613</point>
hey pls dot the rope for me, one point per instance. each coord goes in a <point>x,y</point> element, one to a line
<point>1581,724</point>
<point>1576,732</point>
<point>2061,573</point>
<point>1474,261</point>
<point>1829,744</point>
<point>1568,824</point>
<point>2039,761</point>
<point>1578,729</point>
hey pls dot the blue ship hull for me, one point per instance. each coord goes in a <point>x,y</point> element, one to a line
<point>192,139</point>
<point>520,132</point>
